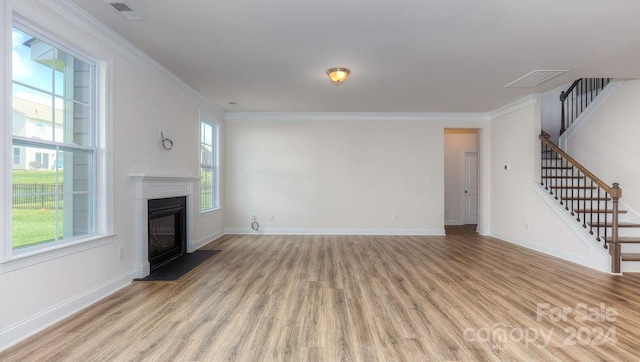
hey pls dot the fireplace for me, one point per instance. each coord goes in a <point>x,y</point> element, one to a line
<point>152,187</point>
<point>167,232</point>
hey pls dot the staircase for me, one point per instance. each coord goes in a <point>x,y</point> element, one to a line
<point>593,203</point>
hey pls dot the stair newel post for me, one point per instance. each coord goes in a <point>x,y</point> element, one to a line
<point>542,169</point>
<point>562,118</point>
<point>544,164</point>
<point>616,193</point>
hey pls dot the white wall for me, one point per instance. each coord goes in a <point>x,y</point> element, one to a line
<point>456,143</point>
<point>551,111</point>
<point>144,98</point>
<point>344,176</point>
<point>606,141</point>
<point>518,213</point>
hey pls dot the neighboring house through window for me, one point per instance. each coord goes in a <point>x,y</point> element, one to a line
<point>208,165</point>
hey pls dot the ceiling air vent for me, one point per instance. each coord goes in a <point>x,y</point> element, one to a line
<point>124,10</point>
<point>535,78</point>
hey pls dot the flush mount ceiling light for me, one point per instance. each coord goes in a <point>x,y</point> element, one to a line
<point>338,75</point>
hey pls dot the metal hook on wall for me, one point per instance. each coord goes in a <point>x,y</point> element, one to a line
<point>166,143</point>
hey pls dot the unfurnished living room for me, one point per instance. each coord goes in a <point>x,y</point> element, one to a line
<point>319,181</point>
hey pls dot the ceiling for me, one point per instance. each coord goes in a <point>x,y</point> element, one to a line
<point>404,55</point>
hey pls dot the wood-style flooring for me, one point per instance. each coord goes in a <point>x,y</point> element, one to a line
<point>462,297</point>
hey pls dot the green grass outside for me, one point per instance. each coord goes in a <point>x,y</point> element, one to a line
<point>34,177</point>
<point>33,226</point>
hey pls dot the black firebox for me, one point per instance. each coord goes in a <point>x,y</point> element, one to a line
<point>167,230</point>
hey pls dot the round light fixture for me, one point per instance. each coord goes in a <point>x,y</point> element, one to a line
<point>338,75</point>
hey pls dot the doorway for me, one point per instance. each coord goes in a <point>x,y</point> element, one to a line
<point>461,163</point>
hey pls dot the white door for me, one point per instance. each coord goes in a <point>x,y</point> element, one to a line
<point>470,184</point>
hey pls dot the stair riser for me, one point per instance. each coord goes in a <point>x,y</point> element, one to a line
<point>630,248</point>
<point>630,267</point>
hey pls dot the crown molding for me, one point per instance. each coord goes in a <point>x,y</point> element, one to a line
<point>514,106</point>
<point>73,15</point>
<point>356,116</point>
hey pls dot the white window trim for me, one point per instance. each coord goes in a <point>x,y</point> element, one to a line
<point>204,118</point>
<point>103,229</point>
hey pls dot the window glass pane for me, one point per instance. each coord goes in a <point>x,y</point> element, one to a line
<point>206,155</point>
<point>75,215</point>
<point>207,134</point>
<point>77,124</point>
<point>55,192</point>
<point>17,159</point>
<point>80,89</point>
<point>32,61</point>
<point>32,226</point>
<point>34,199</point>
<point>33,114</point>
<point>58,83</point>
<point>75,170</point>
<point>65,118</point>
<point>206,189</point>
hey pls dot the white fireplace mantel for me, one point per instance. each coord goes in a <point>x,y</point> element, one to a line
<point>148,187</point>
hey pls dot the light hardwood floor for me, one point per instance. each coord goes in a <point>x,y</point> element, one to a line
<point>357,298</point>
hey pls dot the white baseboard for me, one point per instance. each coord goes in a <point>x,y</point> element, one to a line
<point>592,262</point>
<point>206,240</point>
<point>34,324</point>
<point>301,231</point>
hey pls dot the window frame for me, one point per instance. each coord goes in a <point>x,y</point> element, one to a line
<point>102,220</point>
<point>214,167</point>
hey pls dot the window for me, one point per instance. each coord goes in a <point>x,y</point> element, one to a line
<point>54,140</point>
<point>208,166</point>
<point>17,156</point>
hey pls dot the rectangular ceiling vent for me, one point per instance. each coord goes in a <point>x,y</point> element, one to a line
<point>124,10</point>
<point>535,78</point>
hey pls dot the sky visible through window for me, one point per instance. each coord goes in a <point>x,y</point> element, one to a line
<point>32,73</point>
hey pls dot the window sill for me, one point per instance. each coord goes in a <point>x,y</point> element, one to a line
<point>26,258</point>
<point>209,211</point>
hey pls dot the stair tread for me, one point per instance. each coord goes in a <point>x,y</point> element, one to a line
<point>573,187</point>
<point>598,211</point>
<point>630,256</point>
<point>621,224</point>
<point>625,239</point>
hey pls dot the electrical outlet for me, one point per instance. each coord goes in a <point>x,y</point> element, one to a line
<point>273,217</point>
<point>121,252</point>
<point>526,226</point>
<point>395,218</point>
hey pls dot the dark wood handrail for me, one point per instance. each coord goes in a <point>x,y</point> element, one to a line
<point>565,94</point>
<point>614,191</point>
